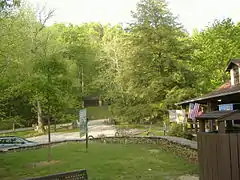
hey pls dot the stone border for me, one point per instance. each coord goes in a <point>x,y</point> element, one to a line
<point>182,150</point>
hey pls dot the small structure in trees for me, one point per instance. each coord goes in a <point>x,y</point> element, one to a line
<point>92,101</point>
<point>219,129</point>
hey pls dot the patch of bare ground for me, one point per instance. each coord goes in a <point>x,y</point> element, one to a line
<point>42,163</point>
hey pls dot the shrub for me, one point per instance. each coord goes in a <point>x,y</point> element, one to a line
<point>179,130</point>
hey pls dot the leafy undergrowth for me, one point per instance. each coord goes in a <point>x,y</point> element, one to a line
<point>99,112</point>
<point>102,161</point>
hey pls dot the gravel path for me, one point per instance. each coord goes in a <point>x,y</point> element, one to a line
<point>95,129</point>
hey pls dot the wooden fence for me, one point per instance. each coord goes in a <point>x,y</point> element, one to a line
<point>219,157</point>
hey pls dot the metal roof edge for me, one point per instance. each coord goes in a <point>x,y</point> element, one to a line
<point>204,98</point>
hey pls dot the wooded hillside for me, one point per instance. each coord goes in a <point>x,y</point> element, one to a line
<point>142,69</point>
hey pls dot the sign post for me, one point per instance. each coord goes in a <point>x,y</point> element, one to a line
<point>83,121</point>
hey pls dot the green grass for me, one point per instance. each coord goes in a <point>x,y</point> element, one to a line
<point>102,162</point>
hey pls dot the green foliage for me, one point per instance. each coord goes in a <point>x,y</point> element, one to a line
<point>145,66</point>
<point>101,112</point>
<point>7,6</point>
<point>179,130</point>
<point>141,70</point>
<point>214,47</point>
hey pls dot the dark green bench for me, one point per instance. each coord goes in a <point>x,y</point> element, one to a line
<point>74,175</point>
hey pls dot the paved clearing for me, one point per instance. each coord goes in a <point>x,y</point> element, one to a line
<point>96,128</point>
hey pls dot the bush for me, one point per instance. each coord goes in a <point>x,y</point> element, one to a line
<point>179,130</point>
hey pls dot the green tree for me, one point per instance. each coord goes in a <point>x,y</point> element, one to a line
<point>214,47</point>
<point>159,50</point>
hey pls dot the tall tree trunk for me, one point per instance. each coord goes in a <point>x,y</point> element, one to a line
<point>40,120</point>
<point>55,125</point>
<point>13,128</point>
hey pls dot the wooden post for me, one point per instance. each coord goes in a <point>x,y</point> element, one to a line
<point>87,134</point>
<point>49,140</point>
<point>211,107</point>
<point>202,126</point>
<point>221,127</point>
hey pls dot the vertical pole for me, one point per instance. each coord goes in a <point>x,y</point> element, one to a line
<point>49,118</point>
<point>49,140</point>
<point>49,136</point>
<point>210,123</point>
<point>82,83</point>
<point>164,128</point>
<point>86,134</point>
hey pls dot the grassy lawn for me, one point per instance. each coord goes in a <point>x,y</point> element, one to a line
<point>102,162</point>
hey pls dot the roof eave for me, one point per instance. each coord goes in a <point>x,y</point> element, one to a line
<point>205,98</point>
<point>228,68</point>
<point>218,118</point>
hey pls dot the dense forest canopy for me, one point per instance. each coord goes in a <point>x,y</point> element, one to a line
<point>142,69</point>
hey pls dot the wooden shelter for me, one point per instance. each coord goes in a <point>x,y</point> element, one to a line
<point>228,93</point>
<point>92,101</point>
<point>219,148</point>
